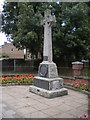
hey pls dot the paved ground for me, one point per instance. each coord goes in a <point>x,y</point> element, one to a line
<point>18,102</point>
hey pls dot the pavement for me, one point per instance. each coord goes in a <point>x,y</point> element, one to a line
<point>18,102</point>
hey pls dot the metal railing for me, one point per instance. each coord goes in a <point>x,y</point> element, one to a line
<point>62,71</point>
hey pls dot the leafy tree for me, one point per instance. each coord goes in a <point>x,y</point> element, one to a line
<point>71,32</point>
<point>29,30</point>
<point>10,18</point>
<point>72,38</point>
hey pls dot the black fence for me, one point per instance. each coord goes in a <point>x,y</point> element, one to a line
<point>19,66</point>
<point>19,69</point>
<point>62,71</point>
<point>15,66</point>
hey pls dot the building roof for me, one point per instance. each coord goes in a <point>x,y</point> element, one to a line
<point>6,44</point>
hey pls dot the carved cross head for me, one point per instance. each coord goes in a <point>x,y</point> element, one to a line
<point>49,19</point>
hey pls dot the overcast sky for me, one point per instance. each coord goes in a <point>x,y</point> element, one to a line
<point>2,35</point>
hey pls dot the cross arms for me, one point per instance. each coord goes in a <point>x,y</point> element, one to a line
<point>49,19</point>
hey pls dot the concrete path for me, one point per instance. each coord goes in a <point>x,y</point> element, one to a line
<point>18,102</point>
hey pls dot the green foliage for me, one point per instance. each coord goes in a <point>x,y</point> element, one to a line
<point>74,35</point>
<point>71,32</point>
<point>29,29</point>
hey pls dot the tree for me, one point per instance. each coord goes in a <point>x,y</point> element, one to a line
<point>71,38</point>
<point>73,34</point>
<point>10,18</point>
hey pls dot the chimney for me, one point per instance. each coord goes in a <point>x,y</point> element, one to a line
<point>5,43</point>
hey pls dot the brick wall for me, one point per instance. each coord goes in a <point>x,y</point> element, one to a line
<point>68,80</point>
<point>10,50</point>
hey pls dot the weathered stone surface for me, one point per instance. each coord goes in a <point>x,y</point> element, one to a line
<point>48,70</point>
<point>48,83</point>
<point>48,93</point>
<point>47,23</point>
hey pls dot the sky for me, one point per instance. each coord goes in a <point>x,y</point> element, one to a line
<point>2,35</point>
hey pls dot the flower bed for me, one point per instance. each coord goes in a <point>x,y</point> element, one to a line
<point>81,85</point>
<point>17,79</point>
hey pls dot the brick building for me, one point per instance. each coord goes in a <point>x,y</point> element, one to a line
<point>30,56</point>
<point>9,50</point>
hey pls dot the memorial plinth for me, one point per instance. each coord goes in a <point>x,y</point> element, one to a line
<point>47,83</point>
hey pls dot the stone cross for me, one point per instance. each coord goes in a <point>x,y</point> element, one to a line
<point>47,23</point>
<point>47,83</point>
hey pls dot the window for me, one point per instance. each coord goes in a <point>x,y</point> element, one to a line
<point>12,49</point>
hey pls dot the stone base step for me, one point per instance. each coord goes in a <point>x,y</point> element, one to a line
<point>48,93</point>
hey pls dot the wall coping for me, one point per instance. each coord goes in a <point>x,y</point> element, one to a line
<point>74,78</point>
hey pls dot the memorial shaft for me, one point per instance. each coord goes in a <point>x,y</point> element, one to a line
<point>47,23</point>
<point>47,51</point>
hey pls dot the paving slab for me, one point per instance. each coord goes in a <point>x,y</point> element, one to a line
<point>18,102</point>
<point>63,115</point>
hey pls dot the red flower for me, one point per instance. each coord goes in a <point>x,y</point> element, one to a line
<point>18,78</point>
<point>77,84</point>
<point>26,77</point>
<point>85,115</point>
<point>13,77</point>
<point>85,84</point>
<point>30,75</point>
<point>72,84</point>
<point>16,75</point>
<point>79,116</point>
<point>5,78</point>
